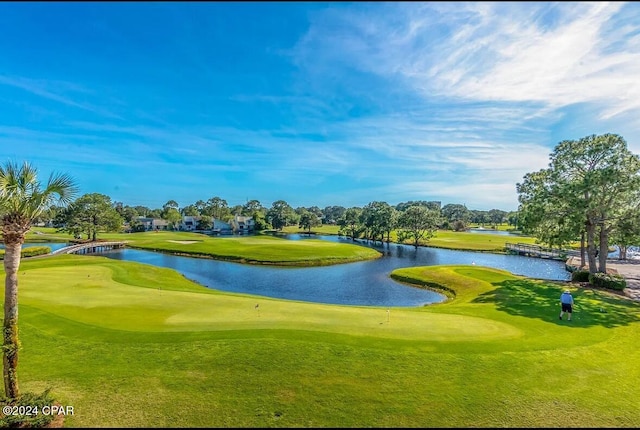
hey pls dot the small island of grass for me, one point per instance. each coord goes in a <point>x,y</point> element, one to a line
<point>259,249</point>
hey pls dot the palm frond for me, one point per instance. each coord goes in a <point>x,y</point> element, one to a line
<point>21,193</point>
<point>63,186</point>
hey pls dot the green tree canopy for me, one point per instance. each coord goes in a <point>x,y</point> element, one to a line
<point>281,214</point>
<point>308,220</point>
<point>91,214</point>
<point>218,208</point>
<point>349,222</point>
<point>172,216</point>
<point>378,218</point>
<point>589,185</point>
<point>456,212</point>
<point>190,210</point>
<point>418,223</point>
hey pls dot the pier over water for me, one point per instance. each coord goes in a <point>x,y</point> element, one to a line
<point>89,247</point>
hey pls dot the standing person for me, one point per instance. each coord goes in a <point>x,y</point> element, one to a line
<point>566,301</point>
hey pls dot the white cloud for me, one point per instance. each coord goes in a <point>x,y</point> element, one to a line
<point>554,54</point>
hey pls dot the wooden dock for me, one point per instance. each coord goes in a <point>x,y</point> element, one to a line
<point>537,251</point>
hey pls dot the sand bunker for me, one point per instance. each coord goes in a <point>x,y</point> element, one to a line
<point>186,242</point>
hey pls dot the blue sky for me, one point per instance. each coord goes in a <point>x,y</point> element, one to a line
<point>313,103</point>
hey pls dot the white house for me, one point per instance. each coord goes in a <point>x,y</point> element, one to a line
<point>242,224</point>
<point>153,223</point>
<point>189,223</point>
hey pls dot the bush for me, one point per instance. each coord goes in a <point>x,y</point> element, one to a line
<point>35,250</point>
<point>30,252</point>
<point>459,225</point>
<point>609,281</point>
<point>32,404</point>
<point>580,276</point>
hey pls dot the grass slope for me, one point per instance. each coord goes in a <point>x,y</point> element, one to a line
<point>131,345</point>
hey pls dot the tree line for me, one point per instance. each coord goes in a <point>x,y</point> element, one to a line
<point>413,220</point>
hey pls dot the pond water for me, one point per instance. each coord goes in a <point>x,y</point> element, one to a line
<point>491,231</point>
<point>364,283</point>
<point>52,245</point>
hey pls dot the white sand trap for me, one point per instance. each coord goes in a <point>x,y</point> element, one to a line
<point>186,242</point>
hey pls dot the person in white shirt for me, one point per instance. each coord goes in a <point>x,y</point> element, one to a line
<point>566,302</point>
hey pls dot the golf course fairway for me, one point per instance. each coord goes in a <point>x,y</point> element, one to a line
<point>132,345</point>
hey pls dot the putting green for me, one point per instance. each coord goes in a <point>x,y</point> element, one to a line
<point>91,295</point>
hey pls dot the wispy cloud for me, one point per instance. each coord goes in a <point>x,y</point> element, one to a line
<point>62,92</point>
<point>554,54</point>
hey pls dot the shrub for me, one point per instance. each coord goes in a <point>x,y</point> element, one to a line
<point>35,250</point>
<point>459,225</point>
<point>30,252</point>
<point>32,404</point>
<point>609,281</point>
<point>580,276</point>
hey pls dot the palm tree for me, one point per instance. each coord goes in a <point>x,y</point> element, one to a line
<point>21,201</point>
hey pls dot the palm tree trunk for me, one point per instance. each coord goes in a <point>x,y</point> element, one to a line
<point>10,325</point>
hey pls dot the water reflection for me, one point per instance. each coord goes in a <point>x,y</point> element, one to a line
<point>491,231</point>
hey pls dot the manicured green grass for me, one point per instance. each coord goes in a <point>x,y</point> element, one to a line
<point>467,241</point>
<point>131,345</point>
<point>41,234</point>
<point>321,229</point>
<point>475,241</point>
<point>262,249</point>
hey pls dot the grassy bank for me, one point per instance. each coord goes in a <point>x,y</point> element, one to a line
<point>131,345</point>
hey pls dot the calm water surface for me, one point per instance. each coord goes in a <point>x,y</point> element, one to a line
<point>52,245</point>
<point>364,283</point>
<point>491,231</point>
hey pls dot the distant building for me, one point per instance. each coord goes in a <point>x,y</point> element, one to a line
<point>242,224</point>
<point>153,223</point>
<point>189,223</point>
